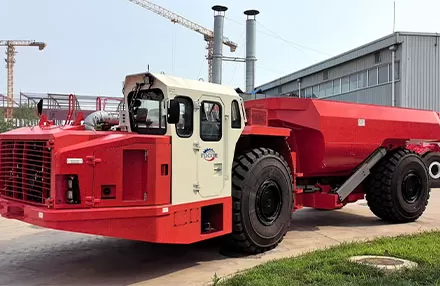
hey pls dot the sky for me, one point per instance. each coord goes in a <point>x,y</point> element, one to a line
<point>93,45</point>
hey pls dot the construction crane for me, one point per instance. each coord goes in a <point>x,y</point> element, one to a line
<point>173,17</point>
<point>10,61</point>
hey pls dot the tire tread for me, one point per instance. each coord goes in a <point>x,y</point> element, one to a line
<point>379,194</point>
<point>242,165</point>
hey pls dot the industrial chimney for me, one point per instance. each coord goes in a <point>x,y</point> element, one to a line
<point>217,57</point>
<point>251,33</point>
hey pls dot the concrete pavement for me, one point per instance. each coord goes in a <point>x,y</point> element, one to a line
<point>34,256</point>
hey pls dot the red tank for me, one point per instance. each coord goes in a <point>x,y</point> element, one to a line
<point>331,138</point>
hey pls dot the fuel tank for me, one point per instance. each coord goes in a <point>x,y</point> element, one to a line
<point>331,138</point>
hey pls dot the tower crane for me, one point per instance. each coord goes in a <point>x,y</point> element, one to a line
<point>10,61</point>
<point>173,17</point>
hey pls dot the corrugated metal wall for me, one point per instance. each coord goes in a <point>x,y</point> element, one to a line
<point>421,72</point>
<point>418,85</point>
<point>380,95</point>
<point>335,61</point>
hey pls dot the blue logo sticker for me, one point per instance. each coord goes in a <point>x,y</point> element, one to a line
<point>209,154</point>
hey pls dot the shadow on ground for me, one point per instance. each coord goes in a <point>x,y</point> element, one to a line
<point>310,219</point>
<point>54,257</point>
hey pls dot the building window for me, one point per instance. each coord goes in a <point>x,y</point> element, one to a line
<point>337,86</point>
<point>353,82</point>
<point>210,121</point>
<point>184,128</point>
<point>362,79</point>
<point>377,58</point>
<point>372,77</point>
<point>383,74</point>
<point>345,84</point>
<point>309,92</point>
<point>235,115</point>
<point>325,75</point>
<point>326,89</point>
<point>315,91</point>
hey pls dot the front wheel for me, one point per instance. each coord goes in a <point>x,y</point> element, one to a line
<point>399,188</point>
<point>262,191</point>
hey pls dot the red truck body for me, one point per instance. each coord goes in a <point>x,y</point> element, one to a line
<point>332,138</point>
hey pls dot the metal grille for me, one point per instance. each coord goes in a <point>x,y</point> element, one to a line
<point>25,168</point>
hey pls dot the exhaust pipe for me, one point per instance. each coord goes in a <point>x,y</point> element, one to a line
<point>217,57</point>
<point>251,33</point>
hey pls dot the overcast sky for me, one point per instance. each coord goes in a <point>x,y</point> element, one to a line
<point>92,45</point>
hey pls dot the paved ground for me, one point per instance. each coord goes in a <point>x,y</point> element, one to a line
<point>34,256</point>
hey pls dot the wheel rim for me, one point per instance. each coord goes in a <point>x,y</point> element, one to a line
<point>411,187</point>
<point>434,170</point>
<point>268,202</point>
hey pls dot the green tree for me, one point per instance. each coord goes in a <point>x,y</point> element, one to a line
<point>25,112</point>
<point>24,115</point>
<point>4,125</point>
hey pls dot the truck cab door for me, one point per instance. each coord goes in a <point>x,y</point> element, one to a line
<point>210,155</point>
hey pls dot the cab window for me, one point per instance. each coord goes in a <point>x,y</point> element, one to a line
<point>235,115</point>
<point>147,112</point>
<point>210,121</point>
<point>184,128</point>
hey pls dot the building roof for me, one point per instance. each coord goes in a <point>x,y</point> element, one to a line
<point>379,44</point>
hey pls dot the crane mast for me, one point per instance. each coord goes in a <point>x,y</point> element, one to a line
<point>10,61</point>
<point>175,18</point>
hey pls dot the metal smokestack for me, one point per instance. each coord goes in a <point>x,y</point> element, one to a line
<point>251,34</point>
<point>217,57</point>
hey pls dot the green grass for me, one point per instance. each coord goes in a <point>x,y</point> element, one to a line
<point>331,266</point>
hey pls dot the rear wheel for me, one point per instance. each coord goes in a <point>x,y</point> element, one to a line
<point>432,162</point>
<point>262,193</point>
<point>398,188</point>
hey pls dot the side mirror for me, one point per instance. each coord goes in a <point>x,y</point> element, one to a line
<point>174,112</point>
<point>40,107</point>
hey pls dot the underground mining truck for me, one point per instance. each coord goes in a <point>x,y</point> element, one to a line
<point>188,161</point>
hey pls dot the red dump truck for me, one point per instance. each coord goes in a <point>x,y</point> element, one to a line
<point>189,161</point>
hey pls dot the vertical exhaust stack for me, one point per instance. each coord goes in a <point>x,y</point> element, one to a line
<point>251,34</point>
<point>217,57</point>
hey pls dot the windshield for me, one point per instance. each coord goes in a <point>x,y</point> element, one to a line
<point>147,112</point>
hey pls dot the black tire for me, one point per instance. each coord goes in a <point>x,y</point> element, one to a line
<point>432,162</point>
<point>390,194</point>
<point>257,175</point>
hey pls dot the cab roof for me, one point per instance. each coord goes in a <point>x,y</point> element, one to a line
<point>190,84</point>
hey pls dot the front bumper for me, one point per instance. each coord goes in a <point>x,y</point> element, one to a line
<point>180,224</point>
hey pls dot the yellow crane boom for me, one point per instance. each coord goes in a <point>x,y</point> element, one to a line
<point>175,18</point>
<point>10,61</point>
